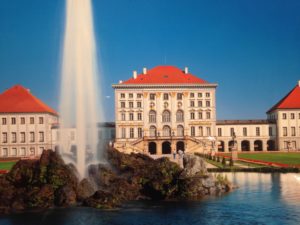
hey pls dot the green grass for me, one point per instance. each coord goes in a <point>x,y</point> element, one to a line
<point>219,164</point>
<point>285,157</point>
<point>250,164</point>
<point>6,165</point>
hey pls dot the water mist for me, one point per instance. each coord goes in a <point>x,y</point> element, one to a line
<point>79,99</point>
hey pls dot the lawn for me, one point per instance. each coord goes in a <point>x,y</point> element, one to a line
<point>6,165</point>
<point>292,159</point>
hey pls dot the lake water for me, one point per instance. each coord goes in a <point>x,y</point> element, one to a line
<point>260,199</point>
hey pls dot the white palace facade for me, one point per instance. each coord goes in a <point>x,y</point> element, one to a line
<point>166,109</point>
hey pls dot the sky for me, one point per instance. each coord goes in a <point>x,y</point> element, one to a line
<point>251,48</point>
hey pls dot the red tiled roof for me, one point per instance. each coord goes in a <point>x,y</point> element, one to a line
<point>290,101</point>
<point>165,75</point>
<point>19,100</point>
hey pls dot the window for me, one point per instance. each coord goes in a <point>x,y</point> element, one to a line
<point>192,103</point>
<point>139,104</point>
<point>207,103</point>
<point>131,116</point>
<point>270,131</point>
<point>122,95</point>
<point>200,131</point>
<point>179,96</point>
<point>4,152</point>
<point>22,152</point>
<point>245,133</point>
<point>293,131</point>
<point>140,132</point>
<point>192,116</point>
<point>13,120</point>
<point>122,104</point>
<point>123,116</point>
<point>199,103</point>
<point>292,116</point>
<point>208,115</point>
<point>72,135</point>
<point>22,120</point>
<point>166,131</point>
<point>152,116</point>
<point>123,132</point>
<point>130,95</point>
<point>23,140</point>
<point>192,131</point>
<point>257,131</point>
<point>208,131</point>
<point>284,116</point>
<point>31,120</point>
<point>4,121</point>
<point>31,136</point>
<point>199,95</point>
<point>131,133</point>
<point>285,131</point>
<point>166,116</point>
<point>192,95</point>
<point>13,152</point>
<point>130,104</point>
<point>152,96</point>
<point>207,95</point>
<point>179,116</point>
<point>32,151</point>
<point>139,95</point>
<point>139,116</point>
<point>180,131</point>
<point>220,132</point>
<point>4,137</point>
<point>41,136</point>
<point>41,120</point>
<point>14,137</point>
<point>232,132</point>
<point>152,131</point>
<point>166,96</point>
<point>200,115</point>
<point>299,116</point>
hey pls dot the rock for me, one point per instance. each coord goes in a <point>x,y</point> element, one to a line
<point>65,196</point>
<point>49,182</point>
<point>193,165</point>
<point>102,200</point>
<point>84,190</point>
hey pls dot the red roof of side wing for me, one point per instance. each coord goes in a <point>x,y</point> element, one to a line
<point>165,75</point>
<point>19,100</point>
<point>290,101</point>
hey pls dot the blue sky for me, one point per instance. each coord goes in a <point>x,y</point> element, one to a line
<point>251,48</point>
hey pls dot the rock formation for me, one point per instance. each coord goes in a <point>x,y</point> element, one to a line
<point>49,182</point>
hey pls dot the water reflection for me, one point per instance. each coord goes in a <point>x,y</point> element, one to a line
<point>260,199</point>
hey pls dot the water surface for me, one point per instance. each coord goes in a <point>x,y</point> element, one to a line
<point>260,199</point>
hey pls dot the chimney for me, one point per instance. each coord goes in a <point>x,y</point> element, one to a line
<point>144,70</point>
<point>120,81</point>
<point>299,83</point>
<point>186,70</point>
<point>134,74</point>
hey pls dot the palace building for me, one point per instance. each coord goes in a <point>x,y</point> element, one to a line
<point>159,111</point>
<point>25,123</point>
<point>165,109</point>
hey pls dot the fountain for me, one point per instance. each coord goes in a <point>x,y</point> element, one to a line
<point>79,93</point>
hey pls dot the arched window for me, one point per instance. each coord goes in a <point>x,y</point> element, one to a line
<point>166,131</point>
<point>180,131</point>
<point>179,116</point>
<point>152,131</point>
<point>152,116</point>
<point>166,116</point>
<point>192,131</point>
